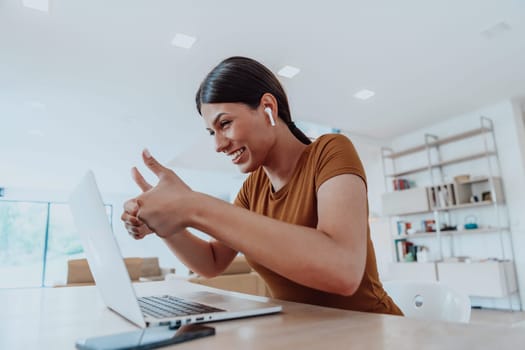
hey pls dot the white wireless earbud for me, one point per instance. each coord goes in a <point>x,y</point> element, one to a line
<point>268,111</point>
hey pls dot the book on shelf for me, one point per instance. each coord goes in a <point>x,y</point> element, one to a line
<point>407,228</point>
<point>407,251</point>
<point>402,184</point>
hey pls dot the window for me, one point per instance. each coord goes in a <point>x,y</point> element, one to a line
<point>22,240</point>
<point>313,130</point>
<point>36,241</point>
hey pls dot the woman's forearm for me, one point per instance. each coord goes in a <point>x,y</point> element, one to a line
<point>205,258</point>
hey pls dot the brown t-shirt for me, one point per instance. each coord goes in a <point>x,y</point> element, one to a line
<point>296,203</point>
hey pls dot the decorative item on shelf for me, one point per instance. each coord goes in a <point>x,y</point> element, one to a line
<point>422,254</point>
<point>443,197</point>
<point>471,222</point>
<point>409,257</point>
<point>403,227</point>
<point>411,231</point>
<point>458,259</point>
<point>428,225</point>
<point>486,196</point>
<point>474,199</point>
<point>461,178</point>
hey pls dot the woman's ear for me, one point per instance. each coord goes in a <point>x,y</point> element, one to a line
<point>269,101</point>
<point>269,104</point>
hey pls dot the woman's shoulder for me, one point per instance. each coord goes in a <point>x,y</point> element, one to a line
<point>331,138</point>
<point>331,141</point>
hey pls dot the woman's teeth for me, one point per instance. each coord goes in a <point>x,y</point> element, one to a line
<point>237,154</point>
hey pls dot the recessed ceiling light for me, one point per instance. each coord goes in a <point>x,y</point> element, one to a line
<point>364,94</point>
<point>183,40</point>
<point>288,71</point>
<point>40,5</point>
<point>496,30</point>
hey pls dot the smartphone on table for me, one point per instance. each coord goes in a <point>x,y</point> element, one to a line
<point>147,338</point>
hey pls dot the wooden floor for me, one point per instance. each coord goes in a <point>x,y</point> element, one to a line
<point>498,317</point>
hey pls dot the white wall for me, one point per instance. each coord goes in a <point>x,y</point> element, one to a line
<point>509,132</point>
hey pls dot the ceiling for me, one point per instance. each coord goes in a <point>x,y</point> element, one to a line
<point>91,83</point>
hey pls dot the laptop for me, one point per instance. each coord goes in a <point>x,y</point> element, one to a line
<point>114,284</point>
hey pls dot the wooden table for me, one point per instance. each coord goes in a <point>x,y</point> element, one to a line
<point>53,318</point>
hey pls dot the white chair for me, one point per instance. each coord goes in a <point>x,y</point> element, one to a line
<point>429,300</point>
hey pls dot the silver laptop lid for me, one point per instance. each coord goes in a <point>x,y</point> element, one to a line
<point>102,251</point>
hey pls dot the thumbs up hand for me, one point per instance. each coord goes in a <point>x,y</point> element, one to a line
<point>163,208</point>
<point>135,227</point>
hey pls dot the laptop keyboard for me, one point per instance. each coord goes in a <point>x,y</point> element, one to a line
<point>169,306</point>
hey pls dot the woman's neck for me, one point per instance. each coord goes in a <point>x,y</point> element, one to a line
<point>282,160</point>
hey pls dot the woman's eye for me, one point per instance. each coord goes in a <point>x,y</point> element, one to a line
<point>224,123</point>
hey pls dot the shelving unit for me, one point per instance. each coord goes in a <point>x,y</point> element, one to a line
<point>451,233</point>
<point>441,164</point>
<point>442,199</point>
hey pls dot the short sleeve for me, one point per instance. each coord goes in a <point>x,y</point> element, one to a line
<point>336,155</point>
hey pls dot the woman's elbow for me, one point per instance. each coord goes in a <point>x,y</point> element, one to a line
<point>350,282</point>
<point>348,288</point>
<point>207,274</point>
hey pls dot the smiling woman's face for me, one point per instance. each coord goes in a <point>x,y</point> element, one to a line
<point>240,132</point>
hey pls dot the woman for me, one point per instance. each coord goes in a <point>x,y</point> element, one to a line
<point>300,218</point>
